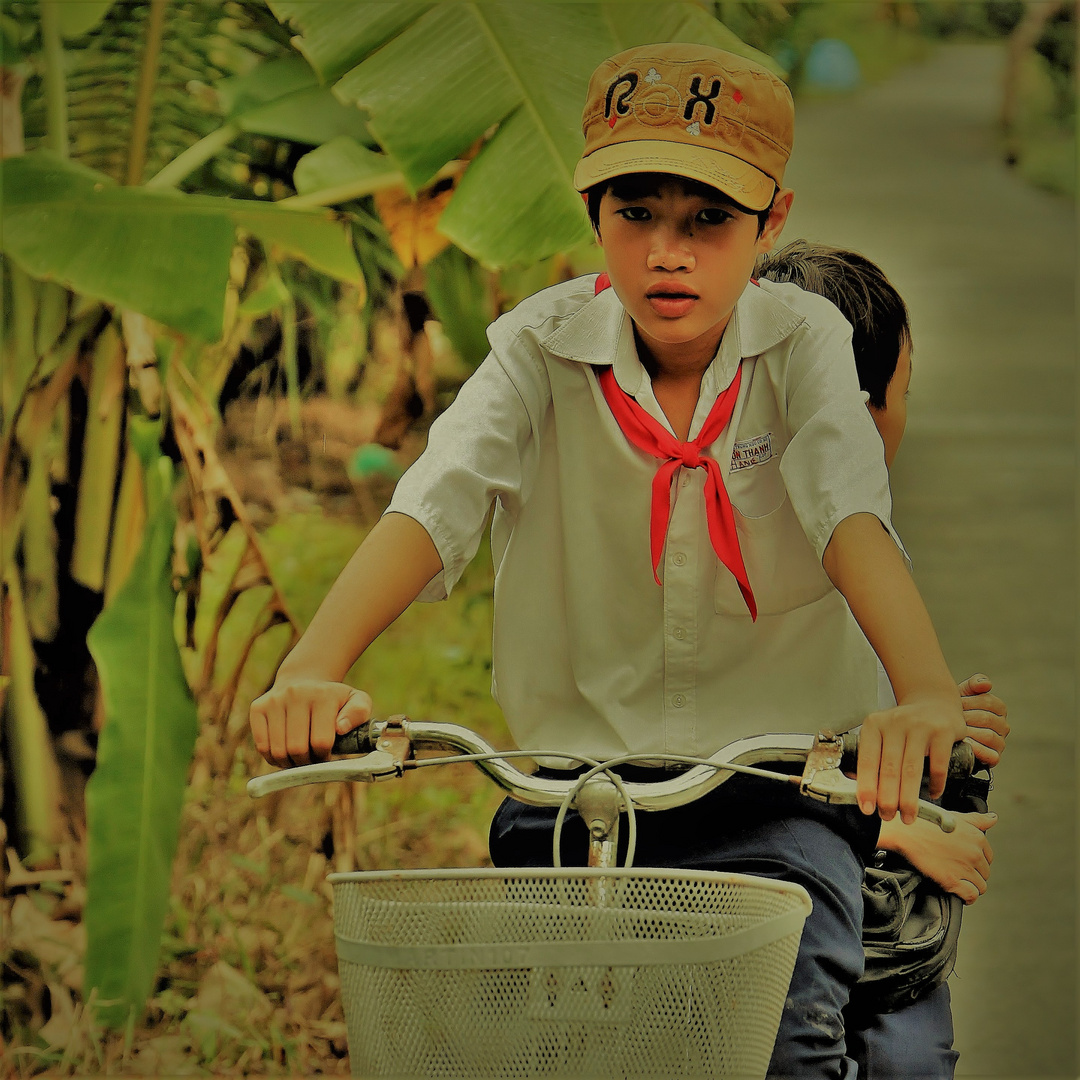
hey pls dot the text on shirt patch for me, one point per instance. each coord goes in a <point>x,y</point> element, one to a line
<point>754,451</point>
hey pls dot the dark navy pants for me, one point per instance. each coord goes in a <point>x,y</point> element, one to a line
<point>749,825</point>
<point>913,1043</point>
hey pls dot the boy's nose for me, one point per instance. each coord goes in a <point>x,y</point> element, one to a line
<point>670,253</point>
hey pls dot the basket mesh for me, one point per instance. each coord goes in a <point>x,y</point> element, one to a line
<point>625,1020</point>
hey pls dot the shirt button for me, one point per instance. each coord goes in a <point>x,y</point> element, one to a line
<point>678,701</point>
<point>679,633</point>
<point>679,559</point>
<point>685,479</point>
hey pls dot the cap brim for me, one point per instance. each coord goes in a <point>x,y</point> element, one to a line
<point>744,183</point>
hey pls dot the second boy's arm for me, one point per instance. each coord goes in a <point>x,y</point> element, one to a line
<point>866,566</point>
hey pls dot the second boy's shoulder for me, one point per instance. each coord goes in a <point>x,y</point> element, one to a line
<point>818,318</point>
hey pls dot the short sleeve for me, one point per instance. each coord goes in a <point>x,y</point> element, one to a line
<point>834,464</point>
<point>482,448</point>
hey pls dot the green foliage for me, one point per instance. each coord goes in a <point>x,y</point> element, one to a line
<point>459,290</point>
<point>79,19</point>
<point>1046,139</point>
<point>201,45</point>
<point>1057,47</point>
<point>970,18</point>
<point>519,68</point>
<point>340,162</point>
<point>163,254</point>
<point>282,98</point>
<point>134,797</point>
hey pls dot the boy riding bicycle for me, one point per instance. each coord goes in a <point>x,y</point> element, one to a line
<point>691,531</point>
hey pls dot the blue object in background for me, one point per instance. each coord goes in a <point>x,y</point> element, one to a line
<point>831,65</point>
<point>783,52</point>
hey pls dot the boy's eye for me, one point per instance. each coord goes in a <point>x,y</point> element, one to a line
<point>634,213</point>
<point>713,215</point>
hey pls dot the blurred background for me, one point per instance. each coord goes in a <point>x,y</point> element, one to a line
<point>249,252</point>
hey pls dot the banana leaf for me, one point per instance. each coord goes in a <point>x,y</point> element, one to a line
<point>78,19</point>
<point>134,798</point>
<point>462,299</point>
<point>283,99</point>
<point>435,78</point>
<point>340,162</point>
<point>161,253</point>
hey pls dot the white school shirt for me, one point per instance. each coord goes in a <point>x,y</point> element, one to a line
<point>590,655</point>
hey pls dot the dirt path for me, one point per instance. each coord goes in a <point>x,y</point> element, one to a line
<point>908,173</point>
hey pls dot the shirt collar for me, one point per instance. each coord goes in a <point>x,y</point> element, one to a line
<point>600,333</point>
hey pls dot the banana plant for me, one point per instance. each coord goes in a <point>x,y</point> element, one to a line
<point>89,255</point>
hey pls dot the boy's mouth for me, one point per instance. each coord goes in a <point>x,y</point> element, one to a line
<point>669,300</point>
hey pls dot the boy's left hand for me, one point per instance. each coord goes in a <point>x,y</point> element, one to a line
<point>986,717</point>
<point>893,748</point>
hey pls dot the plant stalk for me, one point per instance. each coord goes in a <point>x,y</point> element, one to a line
<point>140,124</point>
<point>292,375</point>
<point>35,774</point>
<point>55,88</point>
<point>185,163</point>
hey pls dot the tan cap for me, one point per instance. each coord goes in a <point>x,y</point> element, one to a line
<point>692,111</point>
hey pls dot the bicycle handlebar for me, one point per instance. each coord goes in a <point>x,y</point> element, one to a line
<point>387,746</point>
<point>453,736</point>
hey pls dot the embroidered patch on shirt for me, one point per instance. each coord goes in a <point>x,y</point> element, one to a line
<point>754,451</point>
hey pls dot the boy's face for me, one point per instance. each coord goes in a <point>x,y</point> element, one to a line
<point>892,419</point>
<point>679,261</point>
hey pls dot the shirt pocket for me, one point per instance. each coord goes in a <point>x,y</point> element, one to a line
<point>783,569</point>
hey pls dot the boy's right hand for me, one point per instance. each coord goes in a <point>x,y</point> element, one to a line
<point>893,747</point>
<point>296,721</point>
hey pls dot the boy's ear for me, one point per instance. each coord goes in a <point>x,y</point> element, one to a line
<point>594,224</point>
<point>774,225</point>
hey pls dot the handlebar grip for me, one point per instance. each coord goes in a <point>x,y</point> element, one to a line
<point>353,742</point>
<point>962,761</point>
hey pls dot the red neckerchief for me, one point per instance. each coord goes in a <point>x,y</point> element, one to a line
<point>649,435</point>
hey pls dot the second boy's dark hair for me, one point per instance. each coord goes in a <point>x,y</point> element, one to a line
<point>631,186</point>
<point>865,297</point>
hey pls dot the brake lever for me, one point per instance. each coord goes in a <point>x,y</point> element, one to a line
<point>378,765</point>
<point>392,749</point>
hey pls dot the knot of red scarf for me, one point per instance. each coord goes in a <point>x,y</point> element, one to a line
<point>647,434</point>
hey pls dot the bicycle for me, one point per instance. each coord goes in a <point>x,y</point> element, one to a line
<point>598,971</point>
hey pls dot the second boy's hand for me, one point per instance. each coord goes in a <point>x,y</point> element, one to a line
<point>865,565</point>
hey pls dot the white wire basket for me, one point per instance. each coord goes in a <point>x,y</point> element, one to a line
<point>570,972</point>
